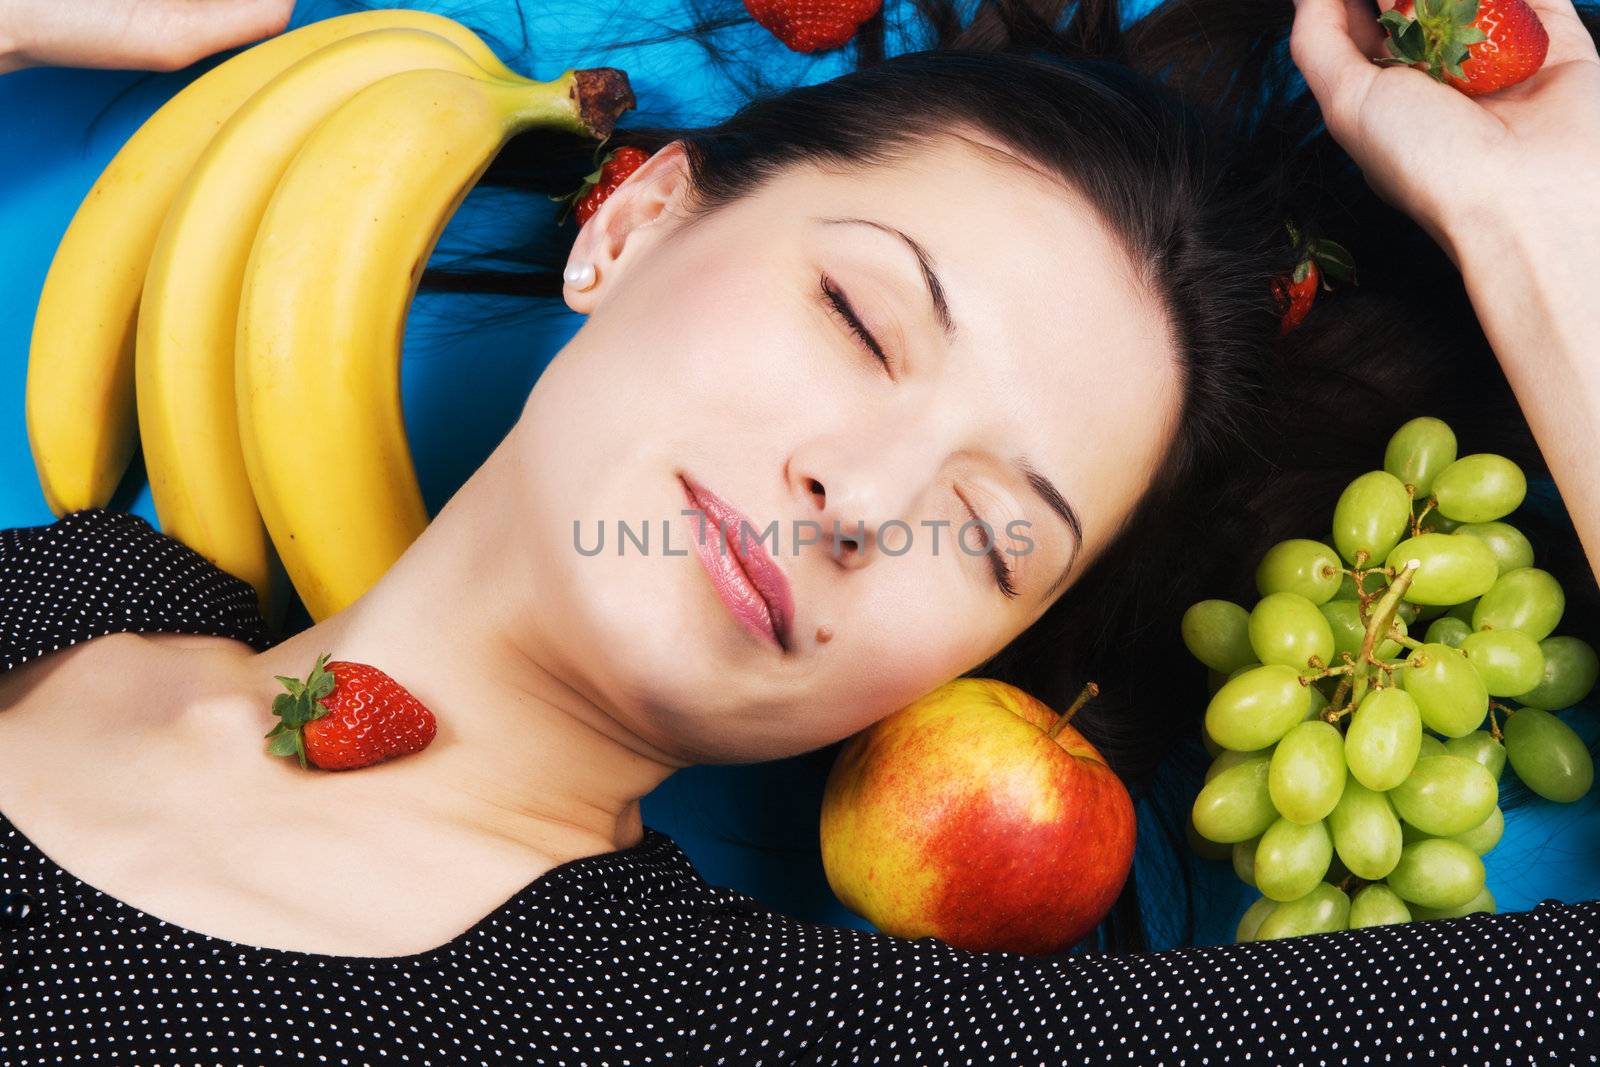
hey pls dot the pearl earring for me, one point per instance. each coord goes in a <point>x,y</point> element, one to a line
<point>582,275</point>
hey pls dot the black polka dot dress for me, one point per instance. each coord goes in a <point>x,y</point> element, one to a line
<point>630,957</point>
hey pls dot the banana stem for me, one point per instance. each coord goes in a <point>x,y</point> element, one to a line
<point>586,102</point>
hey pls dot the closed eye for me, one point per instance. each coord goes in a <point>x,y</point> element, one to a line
<point>997,561</point>
<point>835,300</point>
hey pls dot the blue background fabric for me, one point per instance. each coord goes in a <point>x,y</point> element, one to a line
<point>467,366</point>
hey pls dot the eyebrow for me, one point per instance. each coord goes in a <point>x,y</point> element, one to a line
<point>1060,505</point>
<point>941,307</point>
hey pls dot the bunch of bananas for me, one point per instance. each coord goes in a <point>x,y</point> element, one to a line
<point>236,282</point>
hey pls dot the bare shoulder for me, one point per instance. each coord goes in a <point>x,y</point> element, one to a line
<point>73,669</point>
<point>127,679</point>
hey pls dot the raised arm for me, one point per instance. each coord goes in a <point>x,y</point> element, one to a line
<point>1509,185</point>
<point>131,34</point>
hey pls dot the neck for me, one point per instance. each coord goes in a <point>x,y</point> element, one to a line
<point>523,753</point>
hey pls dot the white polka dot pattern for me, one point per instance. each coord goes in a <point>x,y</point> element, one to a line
<point>630,957</point>
<point>99,571</point>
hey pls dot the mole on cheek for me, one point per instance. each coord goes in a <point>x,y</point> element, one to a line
<point>824,634</point>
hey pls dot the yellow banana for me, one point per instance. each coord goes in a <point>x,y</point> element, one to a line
<point>80,405</point>
<point>332,273</point>
<point>189,314</point>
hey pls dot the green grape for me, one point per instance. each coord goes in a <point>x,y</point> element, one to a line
<point>1217,633</point>
<point>1484,901</point>
<point>1449,692</point>
<point>1508,661</point>
<point>1437,873</point>
<point>1321,911</point>
<point>1548,755</point>
<point>1447,631</point>
<point>1252,665</point>
<point>1406,613</point>
<point>1254,916</point>
<point>1426,612</point>
<point>1483,837</point>
<point>1344,620</point>
<point>1445,795</point>
<point>1235,805</point>
<point>1243,854</point>
<point>1212,748</point>
<point>1381,744</point>
<point>1570,670</point>
<point>1481,748</point>
<point>1377,905</point>
<point>1372,515</point>
<point>1257,708</point>
<point>1430,746</point>
<point>1207,850</point>
<point>1452,568</point>
<point>1418,451</point>
<point>1526,599</point>
<point>1307,772</point>
<point>1287,628</point>
<point>1230,758</point>
<point>1433,522</point>
<point>1366,832</point>
<point>1291,859</point>
<point>1511,549</point>
<point>1309,568</point>
<point>1409,833</point>
<point>1479,488</point>
<point>1337,871</point>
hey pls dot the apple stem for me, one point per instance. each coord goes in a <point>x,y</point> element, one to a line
<point>1090,691</point>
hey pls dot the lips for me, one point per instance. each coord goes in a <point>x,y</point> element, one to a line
<point>747,578</point>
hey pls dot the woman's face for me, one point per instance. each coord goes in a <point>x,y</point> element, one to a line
<point>1021,352</point>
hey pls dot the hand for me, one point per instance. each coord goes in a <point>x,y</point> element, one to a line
<point>131,34</point>
<point>1456,164</point>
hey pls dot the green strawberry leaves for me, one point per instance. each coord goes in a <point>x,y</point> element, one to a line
<point>1439,33</point>
<point>300,705</point>
<point>1334,259</point>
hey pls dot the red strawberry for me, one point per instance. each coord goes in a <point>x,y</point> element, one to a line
<point>1297,290</point>
<point>1476,47</point>
<point>812,25</point>
<point>602,182</point>
<point>348,715</point>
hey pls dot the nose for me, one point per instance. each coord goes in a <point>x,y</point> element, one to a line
<point>857,487</point>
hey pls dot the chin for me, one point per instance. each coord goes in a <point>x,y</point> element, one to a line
<point>643,634</point>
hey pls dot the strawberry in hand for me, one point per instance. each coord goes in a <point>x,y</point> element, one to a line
<point>1477,47</point>
<point>347,715</point>
<point>812,25</point>
<point>1297,290</point>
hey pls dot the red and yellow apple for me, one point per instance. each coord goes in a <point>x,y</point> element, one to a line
<point>976,815</point>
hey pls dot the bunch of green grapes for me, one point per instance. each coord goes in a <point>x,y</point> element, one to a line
<point>1356,772</point>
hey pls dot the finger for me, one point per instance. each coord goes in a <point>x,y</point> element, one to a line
<point>1322,47</point>
<point>1570,39</point>
<point>1361,19</point>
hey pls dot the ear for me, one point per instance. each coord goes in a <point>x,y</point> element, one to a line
<point>636,213</point>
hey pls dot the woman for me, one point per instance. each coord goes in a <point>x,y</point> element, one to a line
<point>174,895</point>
